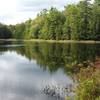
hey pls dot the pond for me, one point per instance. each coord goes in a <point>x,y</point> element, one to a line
<point>28,67</point>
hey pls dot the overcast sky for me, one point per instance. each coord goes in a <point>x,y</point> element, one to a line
<point>16,11</point>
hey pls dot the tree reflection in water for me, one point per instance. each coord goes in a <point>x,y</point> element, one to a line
<point>52,56</point>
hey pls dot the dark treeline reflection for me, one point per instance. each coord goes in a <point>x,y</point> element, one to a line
<point>52,56</point>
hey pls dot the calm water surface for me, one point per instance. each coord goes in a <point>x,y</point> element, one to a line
<point>25,68</point>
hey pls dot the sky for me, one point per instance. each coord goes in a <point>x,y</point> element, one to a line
<point>17,11</point>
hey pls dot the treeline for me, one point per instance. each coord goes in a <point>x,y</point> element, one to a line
<point>5,32</point>
<point>76,22</point>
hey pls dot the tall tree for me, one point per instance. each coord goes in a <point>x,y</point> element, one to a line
<point>54,21</point>
<point>5,32</point>
<point>72,23</point>
<point>85,14</point>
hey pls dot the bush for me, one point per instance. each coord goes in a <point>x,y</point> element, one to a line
<point>89,85</point>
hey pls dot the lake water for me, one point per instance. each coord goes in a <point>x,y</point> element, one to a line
<point>27,67</point>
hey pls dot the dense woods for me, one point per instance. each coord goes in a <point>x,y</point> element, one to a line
<point>76,22</point>
<point>5,32</point>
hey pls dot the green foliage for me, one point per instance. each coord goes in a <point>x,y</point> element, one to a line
<point>89,86</point>
<point>72,24</point>
<point>76,22</point>
<point>52,28</point>
<point>95,23</point>
<point>19,31</point>
<point>5,32</point>
<point>27,34</point>
<point>97,2</point>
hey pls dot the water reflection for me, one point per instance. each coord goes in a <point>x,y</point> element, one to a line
<point>21,79</point>
<point>25,68</point>
<point>52,56</point>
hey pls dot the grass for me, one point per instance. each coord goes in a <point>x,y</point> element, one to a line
<point>53,41</point>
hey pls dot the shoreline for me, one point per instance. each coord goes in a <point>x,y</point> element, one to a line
<point>53,41</point>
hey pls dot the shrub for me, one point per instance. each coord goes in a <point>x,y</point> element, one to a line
<point>89,85</point>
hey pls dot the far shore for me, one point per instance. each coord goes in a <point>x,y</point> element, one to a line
<point>53,41</point>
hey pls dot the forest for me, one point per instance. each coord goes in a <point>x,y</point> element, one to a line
<point>76,22</point>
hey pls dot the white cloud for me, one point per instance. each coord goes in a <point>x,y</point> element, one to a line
<point>16,11</point>
<point>7,6</point>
